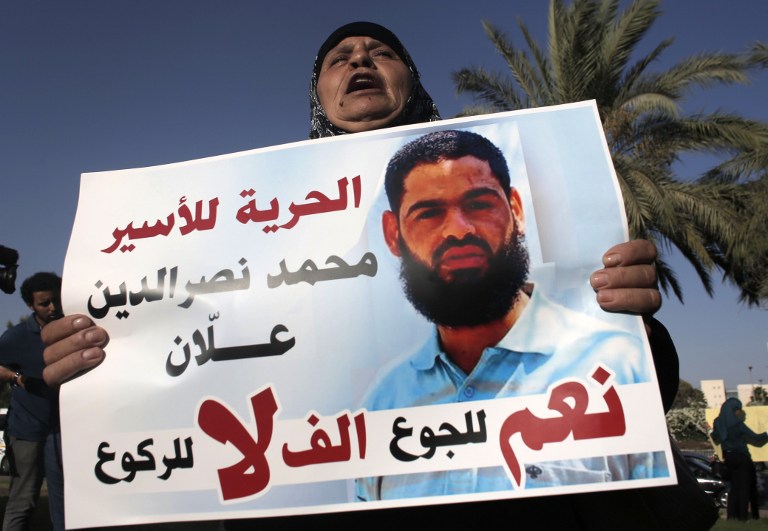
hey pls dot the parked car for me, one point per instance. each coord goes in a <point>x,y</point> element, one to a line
<point>709,480</point>
<point>4,465</point>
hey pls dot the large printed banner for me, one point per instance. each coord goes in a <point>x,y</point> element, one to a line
<point>285,341</point>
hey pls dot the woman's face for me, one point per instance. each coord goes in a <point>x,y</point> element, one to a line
<point>363,84</point>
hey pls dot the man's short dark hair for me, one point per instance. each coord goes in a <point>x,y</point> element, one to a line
<point>437,146</point>
<point>40,282</point>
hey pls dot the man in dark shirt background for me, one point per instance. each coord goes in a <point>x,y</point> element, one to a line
<point>34,449</point>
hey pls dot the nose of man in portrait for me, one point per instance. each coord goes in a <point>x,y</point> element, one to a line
<point>458,227</point>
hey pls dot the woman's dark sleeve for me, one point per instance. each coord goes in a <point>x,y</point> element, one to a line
<point>755,439</point>
<point>665,360</point>
<point>715,437</point>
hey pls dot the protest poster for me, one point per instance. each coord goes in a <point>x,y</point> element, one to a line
<point>265,361</point>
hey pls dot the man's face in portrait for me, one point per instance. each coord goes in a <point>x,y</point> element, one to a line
<point>460,239</point>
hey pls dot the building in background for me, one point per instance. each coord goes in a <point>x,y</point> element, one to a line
<point>714,392</point>
<point>745,392</point>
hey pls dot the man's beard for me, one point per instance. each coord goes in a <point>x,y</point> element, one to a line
<point>471,298</point>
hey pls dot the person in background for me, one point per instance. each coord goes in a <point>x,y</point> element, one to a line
<point>364,79</point>
<point>733,435</point>
<point>34,447</point>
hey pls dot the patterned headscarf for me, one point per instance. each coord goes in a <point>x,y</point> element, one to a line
<point>419,107</point>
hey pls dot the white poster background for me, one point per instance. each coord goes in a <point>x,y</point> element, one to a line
<point>346,330</point>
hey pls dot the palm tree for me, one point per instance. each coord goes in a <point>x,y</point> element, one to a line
<point>590,55</point>
<point>747,265</point>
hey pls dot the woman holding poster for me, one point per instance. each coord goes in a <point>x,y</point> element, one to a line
<point>363,79</point>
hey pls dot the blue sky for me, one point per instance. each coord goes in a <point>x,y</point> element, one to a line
<point>90,85</point>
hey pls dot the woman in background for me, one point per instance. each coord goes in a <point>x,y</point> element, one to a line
<point>733,434</point>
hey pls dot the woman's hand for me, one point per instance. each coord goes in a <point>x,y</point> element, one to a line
<point>628,281</point>
<point>73,344</point>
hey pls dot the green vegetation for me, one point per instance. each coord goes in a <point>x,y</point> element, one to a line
<point>685,420</point>
<point>732,525</point>
<point>759,398</point>
<point>716,220</point>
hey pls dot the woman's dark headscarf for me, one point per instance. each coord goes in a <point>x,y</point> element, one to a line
<point>419,107</point>
<point>727,420</point>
